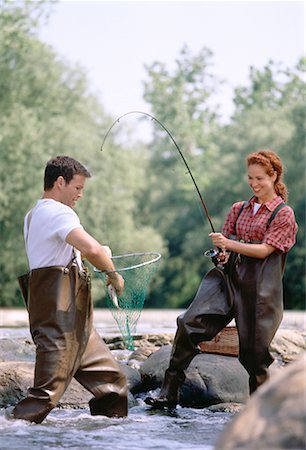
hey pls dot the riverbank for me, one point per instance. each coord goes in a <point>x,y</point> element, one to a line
<point>150,321</point>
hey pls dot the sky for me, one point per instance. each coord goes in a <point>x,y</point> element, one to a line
<point>113,40</point>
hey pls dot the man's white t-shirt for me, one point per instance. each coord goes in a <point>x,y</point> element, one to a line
<point>46,227</point>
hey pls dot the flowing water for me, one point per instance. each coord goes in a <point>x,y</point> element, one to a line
<point>184,428</point>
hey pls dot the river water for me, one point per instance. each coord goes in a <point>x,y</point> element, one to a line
<point>185,428</point>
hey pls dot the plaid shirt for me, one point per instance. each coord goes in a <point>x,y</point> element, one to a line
<point>249,228</point>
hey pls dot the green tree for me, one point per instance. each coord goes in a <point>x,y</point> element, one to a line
<point>181,99</point>
<point>47,109</point>
<point>269,113</point>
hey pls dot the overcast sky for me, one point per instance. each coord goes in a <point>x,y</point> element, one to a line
<point>113,40</point>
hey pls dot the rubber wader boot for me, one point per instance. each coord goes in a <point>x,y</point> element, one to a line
<point>169,393</point>
<point>33,409</point>
<point>112,405</point>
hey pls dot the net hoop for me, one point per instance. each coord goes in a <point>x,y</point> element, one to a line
<point>156,258</point>
<point>137,269</point>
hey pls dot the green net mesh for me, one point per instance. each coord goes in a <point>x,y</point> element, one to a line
<point>137,270</point>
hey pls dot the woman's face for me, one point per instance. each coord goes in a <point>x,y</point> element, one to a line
<point>261,183</point>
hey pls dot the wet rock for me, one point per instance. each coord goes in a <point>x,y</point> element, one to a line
<point>227,407</point>
<point>275,415</point>
<point>210,379</point>
<point>133,378</point>
<point>14,381</point>
<point>140,355</point>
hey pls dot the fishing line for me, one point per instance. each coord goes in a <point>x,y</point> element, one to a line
<point>176,146</point>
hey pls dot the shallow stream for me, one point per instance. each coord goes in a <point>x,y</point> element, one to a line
<point>186,428</point>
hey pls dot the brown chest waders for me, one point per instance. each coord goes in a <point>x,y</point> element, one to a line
<point>67,345</point>
<point>252,294</point>
<point>249,290</point>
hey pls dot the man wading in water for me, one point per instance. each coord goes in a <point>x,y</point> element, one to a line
<point>58,297</point>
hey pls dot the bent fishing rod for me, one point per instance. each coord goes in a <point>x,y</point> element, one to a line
<point>212,253</point>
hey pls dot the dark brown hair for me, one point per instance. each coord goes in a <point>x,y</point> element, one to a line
<point>271,162</point>
<point>62,166</point>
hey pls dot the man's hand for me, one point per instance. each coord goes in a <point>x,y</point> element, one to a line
<point>116,280</point>
<point>108,250</point>
<point>98,255</point>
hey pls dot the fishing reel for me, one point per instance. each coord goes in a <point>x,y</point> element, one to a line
<point>213,254</point>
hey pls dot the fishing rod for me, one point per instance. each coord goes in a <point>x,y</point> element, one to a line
<point>212,253</point>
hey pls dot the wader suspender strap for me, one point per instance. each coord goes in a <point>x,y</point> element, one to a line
<point>240,211</point>
<point>280,206</point>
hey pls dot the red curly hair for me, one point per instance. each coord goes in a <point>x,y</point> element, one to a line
<point>271,162</point>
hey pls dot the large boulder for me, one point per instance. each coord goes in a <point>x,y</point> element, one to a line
<point>210,379</point>
<point>275,415</point>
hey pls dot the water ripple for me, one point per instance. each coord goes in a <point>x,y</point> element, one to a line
<point>143,429</point>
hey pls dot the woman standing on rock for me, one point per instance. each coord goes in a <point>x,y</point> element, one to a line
<point>246,284</point>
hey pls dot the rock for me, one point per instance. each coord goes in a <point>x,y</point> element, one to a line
<point>141,340</point>
<point>133,378</point>
<point>153,368</point>
<point>17,350</point>
<point>14,381</point>
<point>275,415</point>
<point>210,379</point>
<point>156,340</point>
<point>287,345</point>
<point>227,407</point>
<point>141,354</point>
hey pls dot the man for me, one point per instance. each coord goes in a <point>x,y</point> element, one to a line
<point>58,296</point>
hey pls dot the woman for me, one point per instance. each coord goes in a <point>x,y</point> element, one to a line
<point>246,284</point>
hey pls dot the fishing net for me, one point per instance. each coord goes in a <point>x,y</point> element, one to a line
<point>137,270</point>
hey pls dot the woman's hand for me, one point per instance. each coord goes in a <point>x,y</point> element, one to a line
<point>223,257</point>
<point>219,241</point>
<point>260,251</point>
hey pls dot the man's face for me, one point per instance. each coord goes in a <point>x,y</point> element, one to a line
<point>73,191</point>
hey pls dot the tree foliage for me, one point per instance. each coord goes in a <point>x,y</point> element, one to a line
<point>269,113</point>
<point>141,197</point>
<point>46,110</point>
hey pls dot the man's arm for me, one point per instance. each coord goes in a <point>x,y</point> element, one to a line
<point>96,254</point>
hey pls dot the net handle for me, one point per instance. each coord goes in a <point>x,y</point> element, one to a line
<point>158,256</point>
